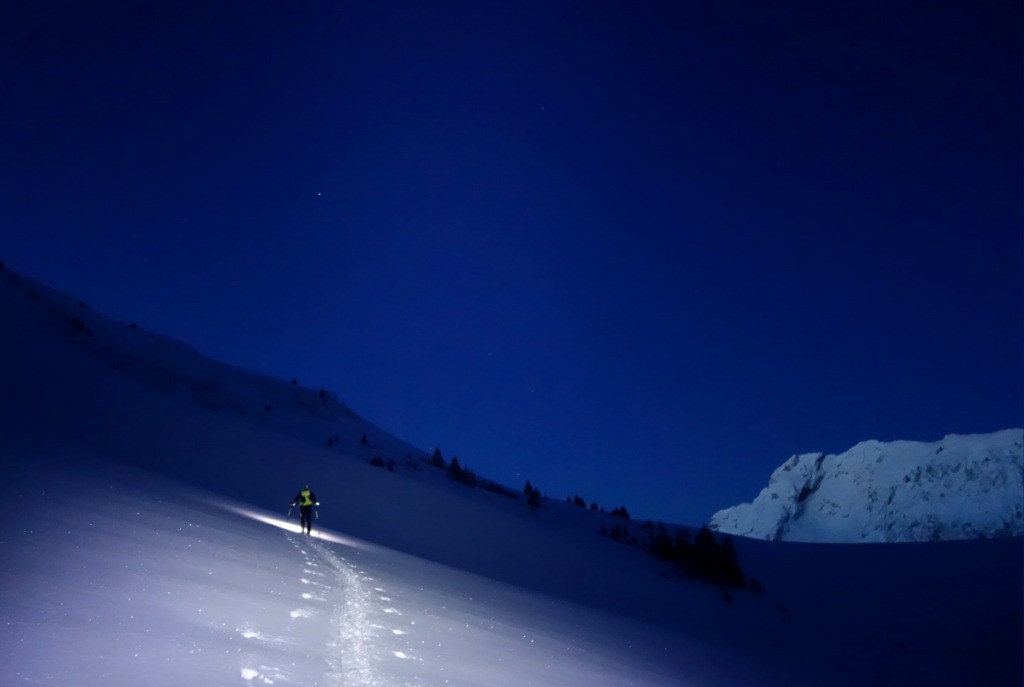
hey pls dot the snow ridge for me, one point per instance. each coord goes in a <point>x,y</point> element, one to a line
<point>45,322</point>
<point>962,487</point>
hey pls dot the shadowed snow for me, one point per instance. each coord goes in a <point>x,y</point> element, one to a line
<point>130,583</point>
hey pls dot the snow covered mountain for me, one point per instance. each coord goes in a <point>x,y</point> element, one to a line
<point>121,361</point>
<point>962,487</point>
<point>145,541</point>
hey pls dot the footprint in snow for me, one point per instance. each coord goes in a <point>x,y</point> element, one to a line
<point>249,633</point>
<point>315,584</point>
<point>265,674</point>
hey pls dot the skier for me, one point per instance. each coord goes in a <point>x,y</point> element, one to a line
<point>305,500</point>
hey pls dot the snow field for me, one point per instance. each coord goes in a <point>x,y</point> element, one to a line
<point>118,583</point>
<point>109,576</point>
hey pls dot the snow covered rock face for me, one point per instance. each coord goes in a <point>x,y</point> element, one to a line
<point>963,487</point>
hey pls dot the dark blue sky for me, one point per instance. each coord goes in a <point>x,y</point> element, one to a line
<point>642,253</point>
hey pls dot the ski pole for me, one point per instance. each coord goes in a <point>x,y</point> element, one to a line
<point>289,516</point>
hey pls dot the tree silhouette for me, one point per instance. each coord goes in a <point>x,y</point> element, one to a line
<point>437,460</point>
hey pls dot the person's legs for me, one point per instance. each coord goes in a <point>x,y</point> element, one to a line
<point>307,520</point>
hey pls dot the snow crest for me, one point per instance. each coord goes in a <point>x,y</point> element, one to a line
<point>962,487</point>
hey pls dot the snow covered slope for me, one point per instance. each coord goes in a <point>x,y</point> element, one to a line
<point>963,487</point>
<point>124,580</point>
<point>115,570</point>
<point>53,339</point>
<point>109,576</point>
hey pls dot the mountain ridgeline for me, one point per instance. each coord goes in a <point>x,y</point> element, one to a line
<point>962,487</point>
<point>140,390</point>
<point>147,466</point>
<point>959,488</point>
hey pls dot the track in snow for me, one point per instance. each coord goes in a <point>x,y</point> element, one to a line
<point>360,616</point>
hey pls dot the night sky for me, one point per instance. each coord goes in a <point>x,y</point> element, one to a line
<point>642,252</point>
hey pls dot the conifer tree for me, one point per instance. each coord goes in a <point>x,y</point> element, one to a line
<point>437,460</point>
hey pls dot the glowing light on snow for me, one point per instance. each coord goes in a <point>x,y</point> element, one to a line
<point>291,526</point>
<point>265,518</point>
